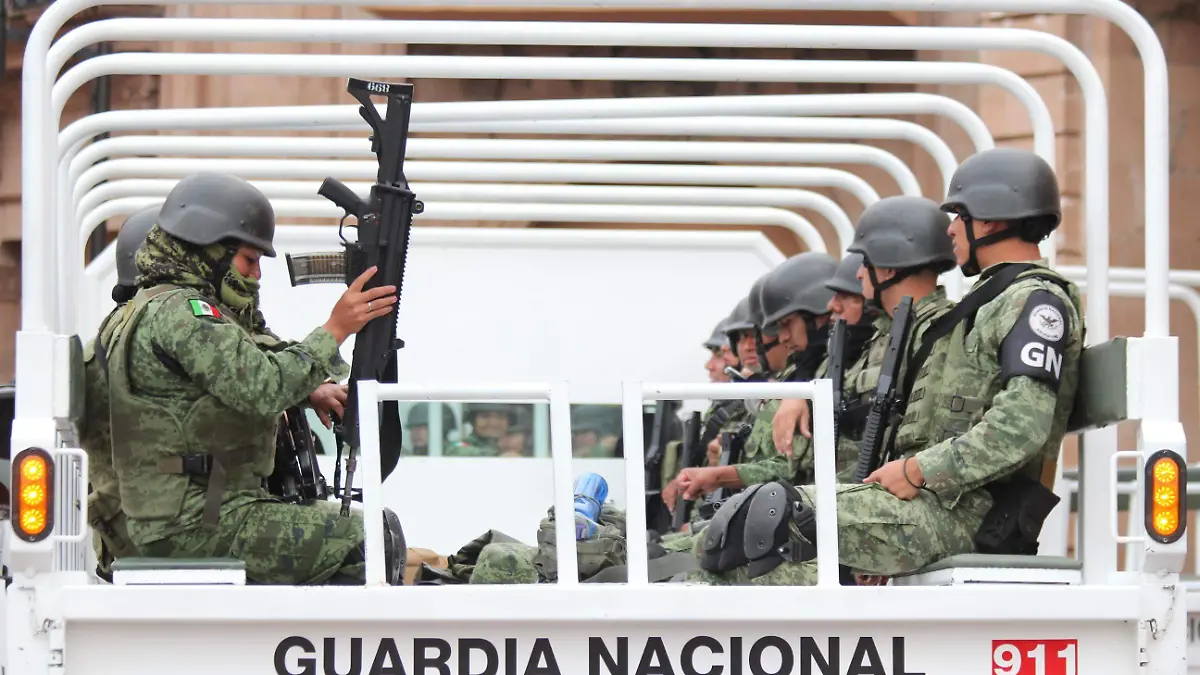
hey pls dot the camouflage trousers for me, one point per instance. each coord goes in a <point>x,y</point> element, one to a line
<point>878,534</point>
<point>279,543</point>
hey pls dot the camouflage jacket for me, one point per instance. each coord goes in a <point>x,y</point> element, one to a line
<point>472,446</point>
<point>994,401</point>
<point>95,434</point>
<point>184,378</point>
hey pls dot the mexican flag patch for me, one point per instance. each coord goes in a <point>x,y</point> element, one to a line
<point>201,308</point>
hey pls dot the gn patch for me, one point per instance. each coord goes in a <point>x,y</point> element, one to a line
<point>1037,342</point>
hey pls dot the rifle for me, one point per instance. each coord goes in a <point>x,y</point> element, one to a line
<point>657,516</point>
<point>732,445</point>
<point>693,453</point>
<point>384,223</point>
<point>884,401</point>
<point>836,356</point>
<point>297,478</point>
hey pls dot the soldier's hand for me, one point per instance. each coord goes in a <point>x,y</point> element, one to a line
<point>699,481</point>
<point>891,477</point>
<point>714,452</point>
<point>329,398</point>
<point>356,307</point>
<point>792,414</point>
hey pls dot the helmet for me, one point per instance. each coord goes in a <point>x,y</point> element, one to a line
<point>602,419</point>
<point>1004,184</point>
<point>756,307</point>
<point>129,238</point>
<point>845,278</point>
<point>509,409</point>
<point>738,321</point>
<point>205,208</point>
<point>719,337</point>
<point>418,416</point>
<point>904,232</point>
<point>797,285</point>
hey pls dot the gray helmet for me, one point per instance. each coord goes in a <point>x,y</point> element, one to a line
<point>756,306</point>
<point>719,337</point>
<point>418,416</point>
<point>508,409</point>
<point>845,279</point>
<point>205,208</point>
<point>797,285</point>
<point>738,321</point>
<point>1004,184</point>
<point>129,239</point>
<point>904,232</point>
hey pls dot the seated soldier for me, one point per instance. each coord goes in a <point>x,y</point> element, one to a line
<point>489,424</point>
<point>992,384</point>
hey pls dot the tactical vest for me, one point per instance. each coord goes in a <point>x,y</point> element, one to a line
<point>157,452</point>
<point>95,435</point>
<point>956,384</point>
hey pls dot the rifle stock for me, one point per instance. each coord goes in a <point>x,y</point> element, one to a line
<point>836,371</point>
<point>883,401</point>
<point>384,223</point>
<point>693,455</point>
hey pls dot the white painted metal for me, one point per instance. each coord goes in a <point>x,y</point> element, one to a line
<point>371,392</point>
<point>760,127</point>
<point>546,194</point>
<point>680,69</point>
<point>346,117</point>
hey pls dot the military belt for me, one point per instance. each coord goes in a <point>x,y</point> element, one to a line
<point>201,465</point>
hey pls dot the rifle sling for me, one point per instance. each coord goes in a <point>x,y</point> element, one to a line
<point>965,310</point>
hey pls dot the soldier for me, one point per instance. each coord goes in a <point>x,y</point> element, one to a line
<point>515,442</point>
<point>792,295</point>
<point>418,427</point>
<point>992,384</point>
<point>489,423</point>
<point>588,425</point>
<point>110,540</point>
<point>720,355</point>
<point>196,395</point>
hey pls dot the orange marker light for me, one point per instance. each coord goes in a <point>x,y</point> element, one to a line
<point>32,495</point>
<point>1166,496</point>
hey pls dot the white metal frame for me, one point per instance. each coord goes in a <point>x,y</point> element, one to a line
<point>371,393</point>
<point>346,118</point>
<point>649,195</point>
<point>1152,401</point>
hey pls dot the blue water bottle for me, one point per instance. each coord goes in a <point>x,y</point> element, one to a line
<point>590,492</point>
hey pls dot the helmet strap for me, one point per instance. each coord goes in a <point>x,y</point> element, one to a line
<point>880,286</point>
<point>971,267</point>
<point>761,347</point>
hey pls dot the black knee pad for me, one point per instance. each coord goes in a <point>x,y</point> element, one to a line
<point>395,546</point>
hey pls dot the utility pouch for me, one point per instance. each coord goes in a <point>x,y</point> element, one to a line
<point>1019,508</point>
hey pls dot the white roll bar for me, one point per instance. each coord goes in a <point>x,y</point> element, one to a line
<point>745,216</point>
<point>636,394</point>
<point>536,67</point>
<point>371,392</point>
<point>761,127</point>
<point>346,117</point>
<point>501,193</point>
<point>467,172</point>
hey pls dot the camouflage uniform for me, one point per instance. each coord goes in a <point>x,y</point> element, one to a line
<point>475,445</point>
<point>979,417</point>
<point>195,401</point>
<point>110,539</point>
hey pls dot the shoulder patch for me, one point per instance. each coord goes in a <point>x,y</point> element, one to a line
<point>1037,343</point>
<point>202,308</point>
